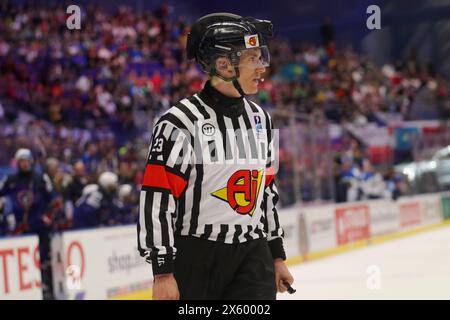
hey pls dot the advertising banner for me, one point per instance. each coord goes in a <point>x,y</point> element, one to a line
<point>99,264</point>
<point>319,225</point>
<point>20,275</point>
<point>352,223</point>
<point>410,213</point>
<point>289,220</point>
<point>384,217</point>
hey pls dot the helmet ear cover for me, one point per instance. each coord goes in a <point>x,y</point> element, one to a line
<point>212,69</point>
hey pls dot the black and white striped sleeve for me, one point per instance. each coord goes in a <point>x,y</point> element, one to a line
<point>165,179</point>
<point>273,228</point>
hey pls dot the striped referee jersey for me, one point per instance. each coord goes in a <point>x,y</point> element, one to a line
<point>209,174</point>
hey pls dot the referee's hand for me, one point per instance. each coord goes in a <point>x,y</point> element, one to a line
<point>282,274</point>
<point>165,287</point>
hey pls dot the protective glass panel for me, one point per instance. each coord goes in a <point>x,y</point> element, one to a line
<point>254,57</point>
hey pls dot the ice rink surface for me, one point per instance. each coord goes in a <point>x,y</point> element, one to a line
<point>414,267</point>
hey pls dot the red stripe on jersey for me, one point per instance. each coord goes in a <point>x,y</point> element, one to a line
<point>158,176</point>
<point>270,176</point>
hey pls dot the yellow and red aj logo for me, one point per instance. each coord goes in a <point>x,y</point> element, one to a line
<point>241,191</point>
<point>251,41</point>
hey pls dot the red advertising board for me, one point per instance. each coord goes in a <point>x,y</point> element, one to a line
<point>352,223</point>
<point>20,276</point>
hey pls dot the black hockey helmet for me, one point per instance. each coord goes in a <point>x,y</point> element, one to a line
<point>227,35</point>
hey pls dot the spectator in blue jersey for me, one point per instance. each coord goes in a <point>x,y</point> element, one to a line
<point>91,157</point>
<point>395,184</point>
<point>371,182</point>
<point>34,203</point>
<point>127,212</point>
<point>349,179</point>
<point>74,188</point>
<point>7,219</point>
<point>97,205</point>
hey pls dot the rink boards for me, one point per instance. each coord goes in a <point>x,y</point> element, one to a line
<point>104,263</point>
<point>331,229</point>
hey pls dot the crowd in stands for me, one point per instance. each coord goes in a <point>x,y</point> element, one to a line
<point>357,179</point>
<point>83,100</point>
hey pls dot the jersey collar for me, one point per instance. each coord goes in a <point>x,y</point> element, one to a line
<point>225,105</point>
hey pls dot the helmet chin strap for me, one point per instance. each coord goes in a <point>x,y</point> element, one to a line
<point>236,82</point>
<point>238,88</point>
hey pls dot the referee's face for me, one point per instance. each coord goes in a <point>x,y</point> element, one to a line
<point>251,69</point>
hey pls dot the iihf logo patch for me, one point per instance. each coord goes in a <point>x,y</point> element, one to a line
<point>258,126</point>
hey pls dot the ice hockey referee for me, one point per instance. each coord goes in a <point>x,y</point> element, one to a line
<point>208,219</point>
